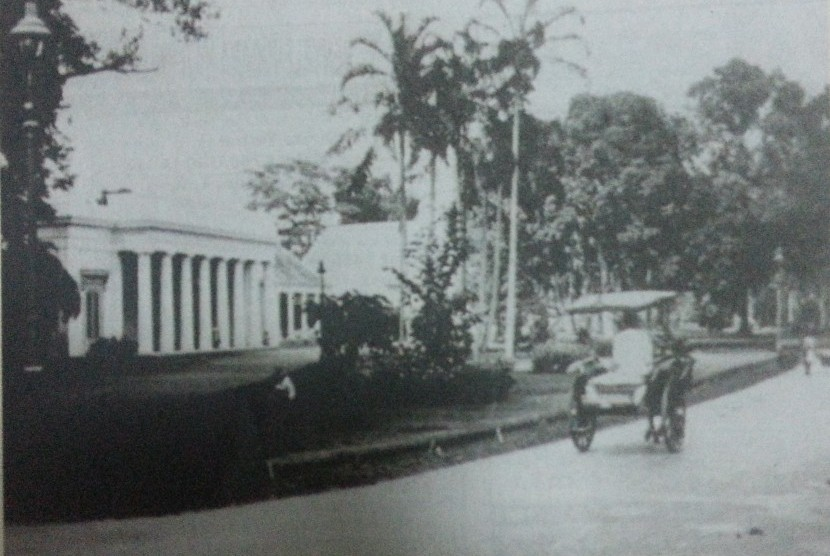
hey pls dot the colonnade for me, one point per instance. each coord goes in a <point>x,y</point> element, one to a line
<point>175,302</point>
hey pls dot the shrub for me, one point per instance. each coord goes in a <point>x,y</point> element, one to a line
<point>555,356</point>
<point>351,322</point>
<point>408,376</point>
<point>432,369</point>
<point>441,328</point>
<point>111,353</point>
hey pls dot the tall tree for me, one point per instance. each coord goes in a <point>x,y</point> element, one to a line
<point>745,118</point>
<point>398,73</point>
<point>516,60</point>
<point>797,169</point>
<point>624,201</point>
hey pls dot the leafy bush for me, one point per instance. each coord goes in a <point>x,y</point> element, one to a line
<point>555,356</point>
<point>431,368</point>
<point>111,353</point>
<point>351,322</point>
<point>441,328</point>
<point>807,318</point>
<point>408,376</point>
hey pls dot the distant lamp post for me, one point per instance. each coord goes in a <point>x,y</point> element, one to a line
<point>321,270</point>
<point>30,35</point>
<point>102,200</point>
<point>778,280</point>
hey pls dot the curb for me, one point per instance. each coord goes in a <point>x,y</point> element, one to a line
<point>430,440</point>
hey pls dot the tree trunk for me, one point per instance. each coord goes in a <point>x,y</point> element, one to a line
<point>743,308</point>
<point>484,266</point>
<point>402,332</point>
<point>495,279</point>
<point>513,244</point>
<point>462,203</point>
<point>792,305</point>
<point>432,199</point>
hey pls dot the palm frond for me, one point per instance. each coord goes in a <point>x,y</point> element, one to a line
<point>423,26</point>
<point>563,12</point>
<point>387,21</point>
<point>476,23</point>
<point>346,141</point>
<point>371,45</point>
<point>573,66</point>
<point>363,70</point>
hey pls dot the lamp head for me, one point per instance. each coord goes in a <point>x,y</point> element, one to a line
<point>30,33</point>
<point>778,256</point>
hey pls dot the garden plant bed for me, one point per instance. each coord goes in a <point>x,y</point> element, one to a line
<point>125,447</point>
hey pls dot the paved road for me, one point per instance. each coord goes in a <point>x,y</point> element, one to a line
<point>754,478</point>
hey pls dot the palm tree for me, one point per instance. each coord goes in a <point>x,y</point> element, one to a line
<point>515,61</point>
<point>400,97</point>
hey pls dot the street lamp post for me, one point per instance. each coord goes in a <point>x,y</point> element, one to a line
<point>321,270</point>
<point>778,259</point>
<point>30,34</point>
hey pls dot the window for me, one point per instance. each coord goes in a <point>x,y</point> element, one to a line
<point>93,285</point>
<point>93,314</point>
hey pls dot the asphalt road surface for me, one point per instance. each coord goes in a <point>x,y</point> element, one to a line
<point>753,478</point>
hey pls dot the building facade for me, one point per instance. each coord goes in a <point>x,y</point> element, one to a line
<point>176,288</point>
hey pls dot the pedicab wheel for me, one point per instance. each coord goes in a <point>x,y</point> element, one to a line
<point>674,418</point>
<point>582,426</point>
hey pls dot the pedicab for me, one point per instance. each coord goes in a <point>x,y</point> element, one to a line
<point>649,371</point>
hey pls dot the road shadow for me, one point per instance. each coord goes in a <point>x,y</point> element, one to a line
<point>637,447</point>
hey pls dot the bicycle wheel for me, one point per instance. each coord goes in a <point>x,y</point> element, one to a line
<point>674,417</point>
<point>582,426</point>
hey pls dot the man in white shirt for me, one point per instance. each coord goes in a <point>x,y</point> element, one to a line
<point>632,350</point>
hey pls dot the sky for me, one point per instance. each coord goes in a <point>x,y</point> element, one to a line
<point>183,136</point>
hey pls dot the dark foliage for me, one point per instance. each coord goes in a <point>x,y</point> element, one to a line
<point>556,356</point>
<point>408,377</point>
<point>112,354</point>
<point>351,322</point>
<point>440,329</point>
<point>56,300</point>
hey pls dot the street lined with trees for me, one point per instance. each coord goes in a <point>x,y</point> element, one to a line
<point>729,202</point>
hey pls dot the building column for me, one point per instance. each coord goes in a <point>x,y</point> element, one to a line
<point>248,300</point>
<point>166,320</point>
<point>239,312</point>
<point>309,297</point>
<point>144,292</point>
<point>222,304</point>
<point>270,305</point>
<point>113,324</point>
<point>296,314</point>
<point>186,305</point>
<point>205,320</point>
<point>257,295</point>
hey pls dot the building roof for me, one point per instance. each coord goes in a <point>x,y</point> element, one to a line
<point>291,272</point>
<point>619,301</point>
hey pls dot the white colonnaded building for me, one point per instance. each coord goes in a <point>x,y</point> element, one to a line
<point>176,279</point>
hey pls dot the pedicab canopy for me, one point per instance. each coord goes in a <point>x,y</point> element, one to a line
<point>619,301</point>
